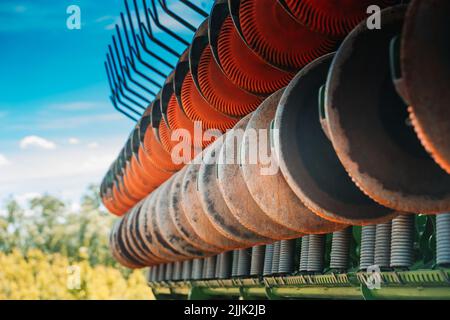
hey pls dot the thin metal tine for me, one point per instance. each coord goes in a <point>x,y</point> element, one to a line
<point>121,83</point>
<point>173,15</point>
<point>153,12</point>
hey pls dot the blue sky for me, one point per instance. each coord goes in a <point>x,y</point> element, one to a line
<point>58,129</point>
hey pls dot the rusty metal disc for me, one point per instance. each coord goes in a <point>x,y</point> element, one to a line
<point>268,187</point>
<point>125,243</point>
<point>369,127</point>
<point>235,191</point>
<point>160,245</point>
<point>166,227</point>
<point>146,234</point>
<point>134,244</point>
<point>179,219</point>
<point>139,239</point>
<point>307,158</point>
<point>425,62</point>
<point>214,204</point>
<point>118,251</point>
<point>195,214</point>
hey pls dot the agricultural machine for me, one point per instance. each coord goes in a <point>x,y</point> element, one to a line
<point>283,148</point>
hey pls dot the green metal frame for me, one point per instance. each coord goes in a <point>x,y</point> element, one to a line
<point>399,285</point>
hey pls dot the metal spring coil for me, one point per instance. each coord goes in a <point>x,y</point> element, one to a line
<point>303,267</point>
<point>197,269</point>
<point>268,255</point>
<point>218,263</point>
<point>235,265</point>
<point>443,239</point>
<point>245,256</point>
<point>187,270</point>
<point>402,241</point>
<point>276,257</point>
<point>169,272</point>
<point>177,271</point>
<point>161,272</point>
<point>287,256</point>
<point>257,264</point>
<point>383,245</point>
<point>340,249</point>
<point>367,251</point>
<point>316,250</point>
<point>225,265</point>
<point>209,268</point>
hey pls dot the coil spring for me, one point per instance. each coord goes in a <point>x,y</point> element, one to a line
<point>276,257</point>
<point>161,272</point>
<point>243,67</point>
<point>225,265</point>
<point>367,251</point>
<point>177,271</point>
<point>383,245</point>
<point>152,274</point>
<point>443,239</point>
<point>257,264</point>
<point>235,264</point>
<point>268,255</point>
<point>244,262</point>
<point>303,267</point>
<point>197,269</point>
<point>169,272</point>
<point>218,264</point>
<point>287,256</point>
<point>402,241</point>
<point>340,249</point>
<point>187,270</point>
<point>263,21</point>
<point>316,247</point>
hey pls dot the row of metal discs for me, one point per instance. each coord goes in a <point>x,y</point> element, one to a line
<point>347,152</point>
<point>236,59</point>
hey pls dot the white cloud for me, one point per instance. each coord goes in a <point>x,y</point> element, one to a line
<point>75,106</point>
<point>4,161</point>
<point>93,145</point>
<point>65,172</point>
<point>38,142</point>
<point>74,141</point>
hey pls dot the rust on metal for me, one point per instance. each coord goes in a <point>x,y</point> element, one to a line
<point>369,125</point>
<point>215,206</point>
<point>307,158</point>
<point>425,64</point>
<point>271,191</point>
<point>235,191</point>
